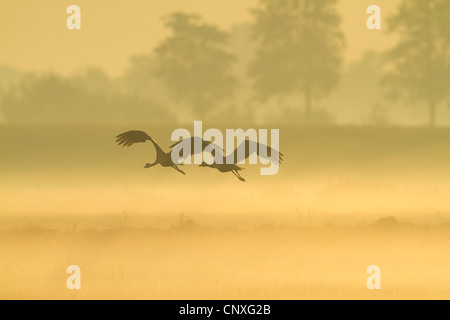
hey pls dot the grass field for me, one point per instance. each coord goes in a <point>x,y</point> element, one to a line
<point>190,262</point>
<point>69,195</point>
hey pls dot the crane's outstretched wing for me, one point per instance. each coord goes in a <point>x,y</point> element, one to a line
<point>127,139</point>
<point>189,144</point>
<point>248,147</point>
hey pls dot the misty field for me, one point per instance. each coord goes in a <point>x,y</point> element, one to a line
<point>70,196</point>
<point>191,262</point>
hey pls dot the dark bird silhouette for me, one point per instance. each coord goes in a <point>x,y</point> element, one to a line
<point>224,167</point>
<point>243,151</point>
<point>189,144</point>
<point>248,147</point>
<point>127,139</point>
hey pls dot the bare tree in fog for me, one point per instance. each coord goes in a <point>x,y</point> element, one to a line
<point>419,65</point>
<point>300,49</point>
<point>194,64</point>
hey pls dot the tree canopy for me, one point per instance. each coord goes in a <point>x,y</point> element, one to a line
<point>300,49</point>
<point>194,64</point>
<point>419,64</point>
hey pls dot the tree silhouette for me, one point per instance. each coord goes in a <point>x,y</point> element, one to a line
<point>140,79</point>
<point>300,49</point>
<point>194,64</point>
<point>86,98</point>
<point>419,65</point>
<point>359,89</point>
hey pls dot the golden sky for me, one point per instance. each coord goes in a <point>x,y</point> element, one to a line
<point>34,36</point>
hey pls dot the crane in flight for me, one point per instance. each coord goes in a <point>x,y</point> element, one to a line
<point>127,139</point>
<point>224,167</point>
<point>243,151</point>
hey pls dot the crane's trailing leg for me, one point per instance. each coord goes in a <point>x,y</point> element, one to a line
<point>179,170</point>
<point>238,175</point>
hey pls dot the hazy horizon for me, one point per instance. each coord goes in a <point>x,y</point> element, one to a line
<point>120,28</point>
<point>364,129</point>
